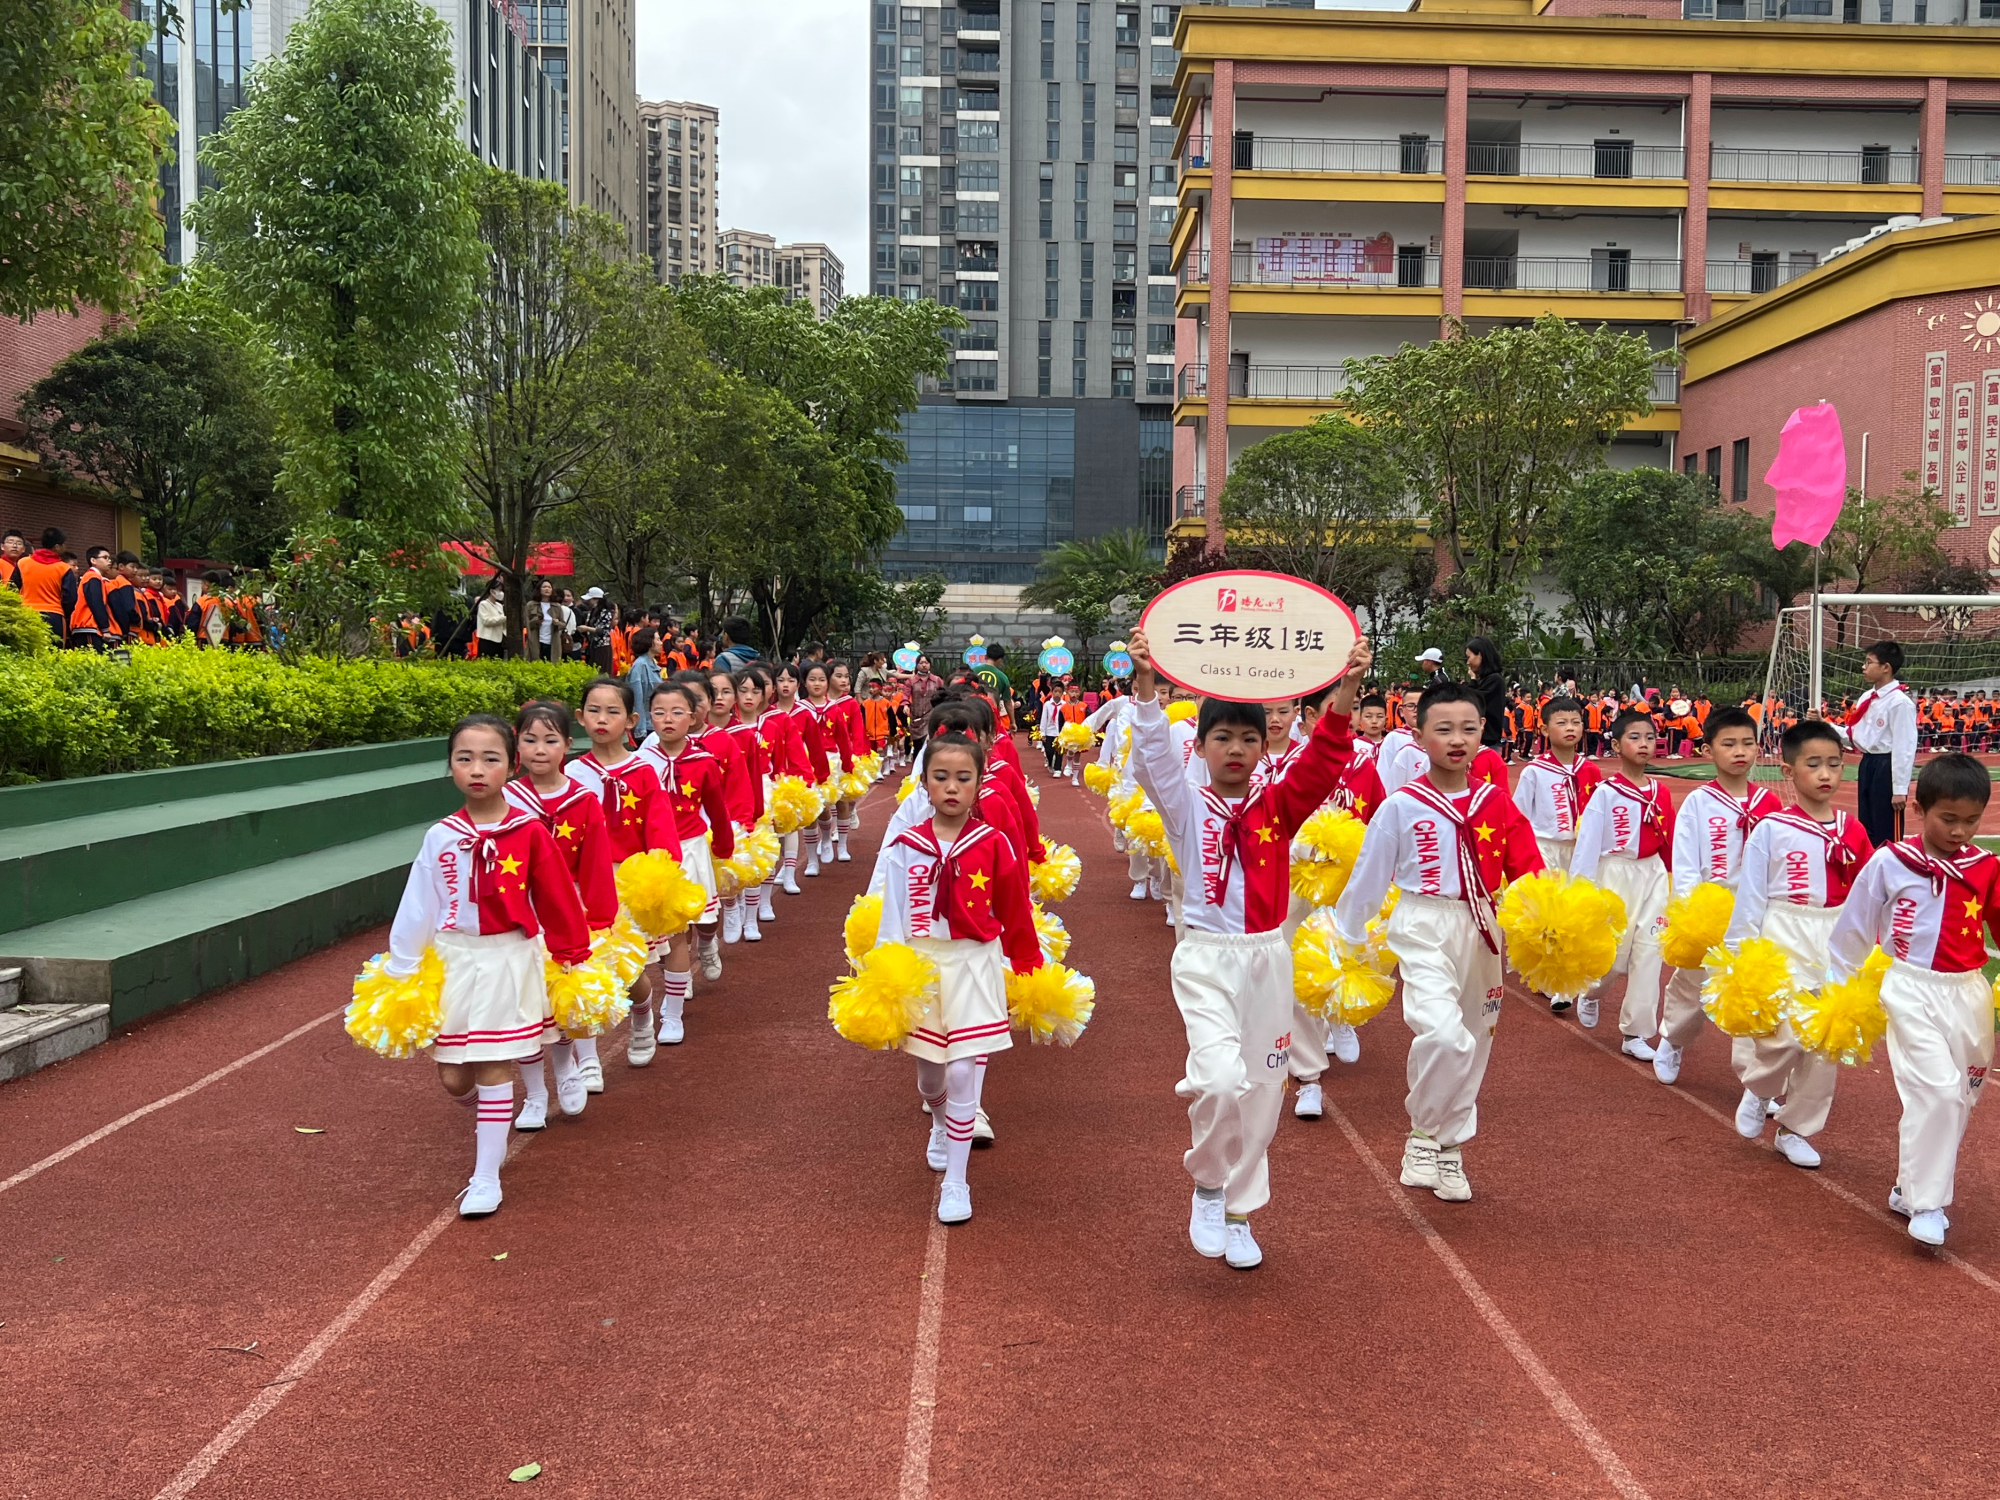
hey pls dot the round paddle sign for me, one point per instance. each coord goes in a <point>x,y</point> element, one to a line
<point>1058,660</point>
<point>1118,663</point>
<point>905,658</point>
<point>1249,636</point>
<point>975,654</point>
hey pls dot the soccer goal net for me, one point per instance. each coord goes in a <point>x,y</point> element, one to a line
<point>1951,662</point>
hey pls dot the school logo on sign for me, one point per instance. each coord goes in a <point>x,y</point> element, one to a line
<point>1225,601</point>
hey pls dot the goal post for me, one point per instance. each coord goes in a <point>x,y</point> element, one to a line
<point>1951,645</point>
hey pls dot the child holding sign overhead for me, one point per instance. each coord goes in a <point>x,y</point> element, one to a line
<point>1232,970</point>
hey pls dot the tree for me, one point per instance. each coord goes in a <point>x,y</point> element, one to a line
<point>80,146</point>
<point>341,225</point>
<point>172,413</point>
<point>1323,503</point>
<point>532,360</point>
<point>1493,432</point>
<point>1089,582</point>
<point>1883,541</point>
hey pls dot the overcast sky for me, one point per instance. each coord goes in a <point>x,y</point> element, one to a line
<point>791,80</point>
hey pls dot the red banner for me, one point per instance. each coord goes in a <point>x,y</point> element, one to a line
<point>545,560</point>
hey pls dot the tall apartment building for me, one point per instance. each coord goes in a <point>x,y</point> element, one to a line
<point>748,257</point>
<point>811,273</point>
<point>1022,169</point>
<point>589,49</point>
<point>683,173</point>
<point>509,115</point>
<point>1350,179</point>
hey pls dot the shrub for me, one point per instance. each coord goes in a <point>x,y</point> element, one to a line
<point>75,713</point>
<point>22,631</point>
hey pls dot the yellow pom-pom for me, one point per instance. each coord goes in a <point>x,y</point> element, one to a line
<point>1075,738</point>
<point>654,888</point>
<point>851,785</point>
<point>1746,992</point>
<point>397,1016</point>
<point>1122,808</point>
<point>1049,929</point>
<point>1099,779</point>
<point>1337,980</point>
<point>1145,829</point>
<point>1182,710</point>
<point>1845,1019</point>
<point>621,947</point>
<point>1562,931</point>
<point>1053,1004</point>
<point>794,804</point>
<point>589,999</point>
<point>1696,923</point>
<point>1034,794</point>
<point>756,856</point>
<point>1323,854</point>
<point>879,1005</point>
<point>864,921</point>
<point>1055,878</point>
<point>909,785</point>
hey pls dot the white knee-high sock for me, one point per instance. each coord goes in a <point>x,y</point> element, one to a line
<point>563,1059</point>
<point>496,1113</point>
<point>679,985</point>
<point>534,1082</point>
<point>707,937</point>
<point>586,1050</point>
<point>765,911</point>
<point>961,1105</point>
<point>930,1084</point>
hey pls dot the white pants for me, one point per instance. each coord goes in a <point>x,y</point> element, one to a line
<point>1555,852</point>
<point>1235,995</point>
<point>1642,885</point>
<point>1451,1001</point>
<point>1940,1045</point>
<point>1769,1066</point>
<point>1137,865</point>
<point>1308,1030</point>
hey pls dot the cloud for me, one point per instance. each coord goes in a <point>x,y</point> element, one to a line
<point>791,80</point>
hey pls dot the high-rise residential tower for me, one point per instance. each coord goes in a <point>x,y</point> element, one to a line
<point>682,172</point>
<point>747,257</point>
<point>810,273</point>
<point>589,49</point>
<point>1022,169</point>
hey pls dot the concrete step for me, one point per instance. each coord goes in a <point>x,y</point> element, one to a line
<point>33,1036</point>
<point>157,950</point>
<point>50,871</point>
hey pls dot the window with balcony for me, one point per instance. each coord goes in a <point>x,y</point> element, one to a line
<point>913,182</point>
<point>1121,343</point>
<point>1164,17</point>
<point>978,218</point>
<point>1125,224</point>
<point>1124,303</point>
<point>980,333</point>
<point>1159,300</point>
<point>979,296</point>
<point>911,103</point>
<point>978,137</point>
<point>979,99</point>
<point>1159,336</point>
<point>911,261</point>
<point>913,62</point>
<point>1121,380</point>
<point>1128,61</point>
<point>979,177</point>
<point>1124,99</point>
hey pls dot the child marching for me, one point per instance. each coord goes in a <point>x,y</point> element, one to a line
<point>1552,792</point>
<point>691,788</point>
<point>1624,841</point>
<point>728,717</point>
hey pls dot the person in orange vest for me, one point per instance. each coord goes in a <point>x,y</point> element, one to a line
<point>48,584</point>
<point>121,602</point>
<point>211,614</point>
<point>13,547</point>
<point>90,624</point>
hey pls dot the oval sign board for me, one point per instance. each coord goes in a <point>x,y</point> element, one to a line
<point>905,658</point>
<point>975,656</point>
<point>1058,659</point>
<point>1118,663</point>
<point>1249,636</point>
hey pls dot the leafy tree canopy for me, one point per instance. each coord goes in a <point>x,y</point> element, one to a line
<point>1324,503</point>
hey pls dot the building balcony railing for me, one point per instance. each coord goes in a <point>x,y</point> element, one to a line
<point>1191,500</point>
<point>1749,277</point>
<point>1607,159</point>
<point>1337,272</point>
<point>1309,383</point>
<point>1869,166</point>
<point>1280,153</point>
<point>1540,273</point>
<point>1963,170</point>
<point>1666,385</point>
<point>1194,268</point>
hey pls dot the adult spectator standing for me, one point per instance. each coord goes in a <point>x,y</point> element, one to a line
<point>1482,671</point>
<point>13,547</point>
<point>924,687</point>
<point>47,583</point>
<point>1430,662</point>
<point>991,674</point>
<point>735,645</point>
<point>870,670</point>
<point>490,625</point>
<point>549,625</point>
<point>644,676</point>
<point>593,629</point>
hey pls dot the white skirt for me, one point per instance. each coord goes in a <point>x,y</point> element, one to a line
<point>1555,852</point>
<point>495,1001</point>
<point>967,1014</point>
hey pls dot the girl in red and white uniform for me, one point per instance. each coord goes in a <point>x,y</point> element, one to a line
<point>486,884</point>
<point>1447,842</point>
<point>755,687</point>
<point>691,787</point>
<point>1625,842</point>
<point>542,733</point>
<point>736,797</point>
<point>805,757</point>
<point>745,797</point>
<point>817,686</point>
<point>850,734</point>
<point>1928,903</point>
<point>1797,866</point>
<point>1232,968</point>
<point>636,816</point>
<point>952,888</point>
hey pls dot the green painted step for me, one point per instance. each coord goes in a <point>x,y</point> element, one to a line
<point>51,871</point>
<point>51,801</point>
<point>144,955</point>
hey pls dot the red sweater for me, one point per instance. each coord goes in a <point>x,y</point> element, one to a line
<point>691,784</point>
<point>575,819</point>
<point>636,816</point>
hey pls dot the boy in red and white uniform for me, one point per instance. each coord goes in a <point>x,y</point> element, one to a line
<point>1797,866</point>
<point>1709,829</point>
<point>1928,902</point>
<point>1447,842</point>
<point>1624,842</point>
<point>1232,969</point>
<point>691,786</point>
<point>1552,792</point>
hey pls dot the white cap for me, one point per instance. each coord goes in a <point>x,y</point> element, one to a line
<point>593,593</point>
<point>1430,654</point>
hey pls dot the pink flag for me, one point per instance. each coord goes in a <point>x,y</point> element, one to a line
<point>1810,476</point>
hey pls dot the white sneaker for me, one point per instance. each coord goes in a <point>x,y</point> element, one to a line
<point>1139,891</point>
<point>534,1114</point>
<point>982,1128</point>
<point>954,1203</point>
<point>1242,1251</point>
<point>1183,1089</point>
<point>1639,1047</point>
<point>1898,1204</point>
<point>1586,1010</point>
<point>1926,1228</point>
<point>752,933</point>
<point>1749,1116</point>
<point>826,847</point>
<point>1558,1004</point>
<point>934,1149</point>
<point>1666,1061</point>
<point>1772,1107</point>
<point>571,1095</point>
<point>673,1031</point>
<point>482,1196</point>
<point>1208,1227</point>
<point>766,912</point>
<point>641,1044</point>
<point>1343,1042</point>
<point>789,885</point>
<point>1170,917</point>
<point>812,865</point>
<point>732,923</point>
<point>1310,1105</point>
<point>1420,1161</point>
<point>1452,1185</point>
<point>840,853</point>
<point>1797,1150</point>
<point>711,963</point>
<point>591,1071</point>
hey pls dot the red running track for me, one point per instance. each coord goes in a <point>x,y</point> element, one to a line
<point>715,1280</point>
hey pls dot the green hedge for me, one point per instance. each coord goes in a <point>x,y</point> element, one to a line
<point>75,713</point>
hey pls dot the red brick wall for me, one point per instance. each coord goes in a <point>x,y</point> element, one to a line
<point>1659,10</point>
<point>28,351</point>
<point>28,505</point>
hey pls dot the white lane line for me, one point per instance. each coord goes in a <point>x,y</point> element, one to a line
<point>916,1480</point>
<point>1566,1409</point>
<point>203,1463</point>
<point>1819,1179</point>
<point>59,1157</point>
